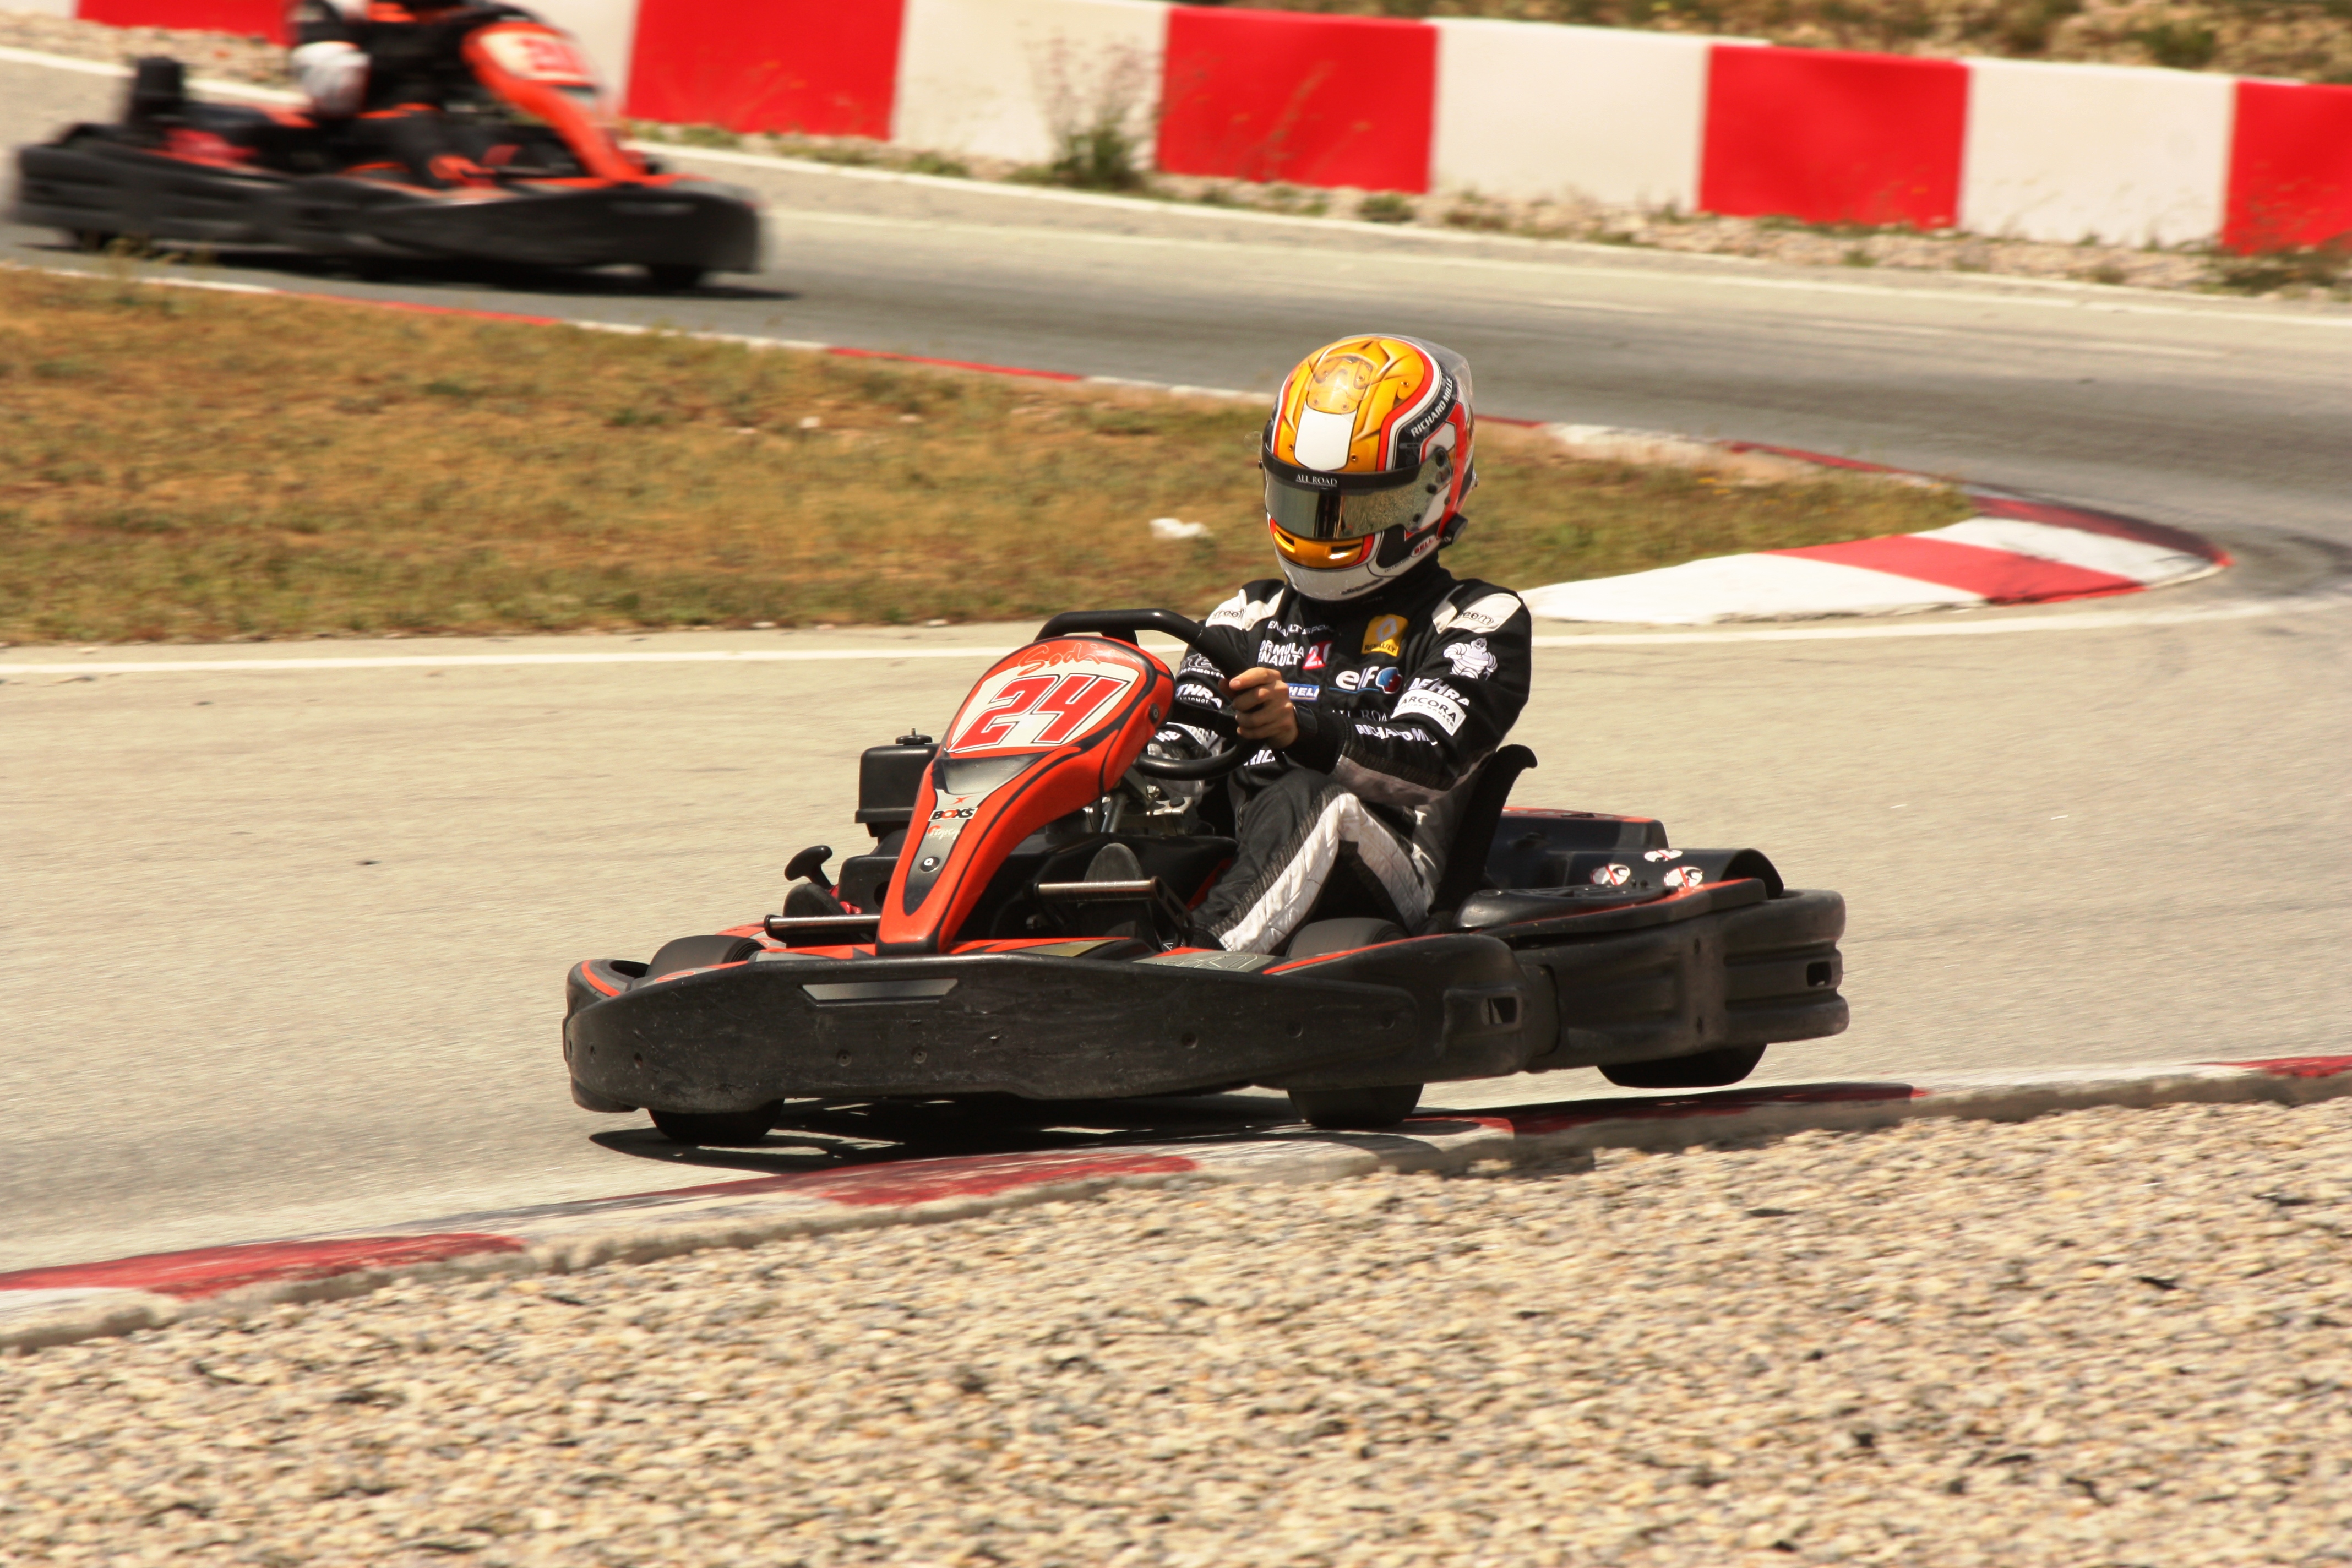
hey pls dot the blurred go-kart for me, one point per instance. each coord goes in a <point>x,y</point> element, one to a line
<point>968,953</point>
<point>561,192</point>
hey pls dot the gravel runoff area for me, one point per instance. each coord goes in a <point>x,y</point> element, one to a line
<point>2316,274</point>
<point>2113,1337</point>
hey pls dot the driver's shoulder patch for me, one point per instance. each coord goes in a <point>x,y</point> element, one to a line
<point>1255,603</point>
<point>1489,611</point>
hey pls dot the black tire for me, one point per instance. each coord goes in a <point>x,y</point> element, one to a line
<point>724,1128</point>
<point>1320,937</point>
<point>1356,1109</point>
<point>672,278</point>
<point>95,241</point>
<point>698,952</point>
<point>1708,1070</point>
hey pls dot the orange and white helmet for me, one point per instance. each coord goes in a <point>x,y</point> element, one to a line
<point>1367,460</point>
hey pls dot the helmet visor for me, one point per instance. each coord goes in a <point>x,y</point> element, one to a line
<point>1312,505</point>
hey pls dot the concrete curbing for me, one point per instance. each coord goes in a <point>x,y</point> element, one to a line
<point>2016,549</point>
<point>60,1305</point>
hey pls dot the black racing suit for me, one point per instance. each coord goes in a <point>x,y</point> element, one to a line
<point>1401,696</point>
<point>416,66</point>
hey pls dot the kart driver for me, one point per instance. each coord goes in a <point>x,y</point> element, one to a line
<point>1381,682</point>
<point>383,72</point>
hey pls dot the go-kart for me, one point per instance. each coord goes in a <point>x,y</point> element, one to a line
<point>549,186</point>
<point>968,952</point>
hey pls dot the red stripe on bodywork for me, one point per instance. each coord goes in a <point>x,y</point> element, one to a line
<point>2001,576</point>
<point>209,1270</point>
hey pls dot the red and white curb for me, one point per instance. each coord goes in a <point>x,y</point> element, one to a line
<point>2016,549</point>
<point>41,1307</point>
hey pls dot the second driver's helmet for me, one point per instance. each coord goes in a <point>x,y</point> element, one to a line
<point>1367,459</point>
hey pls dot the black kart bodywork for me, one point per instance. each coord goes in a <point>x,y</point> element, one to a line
<point>1561,938</point>
<point>230,177</point>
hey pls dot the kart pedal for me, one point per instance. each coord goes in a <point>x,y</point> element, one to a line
<point>1148,901</point>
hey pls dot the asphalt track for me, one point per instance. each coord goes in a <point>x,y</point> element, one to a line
<point>283,947</point>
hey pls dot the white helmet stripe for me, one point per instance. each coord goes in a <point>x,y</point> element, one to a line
<point>1325,439</point>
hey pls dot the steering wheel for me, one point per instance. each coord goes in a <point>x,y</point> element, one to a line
<point>1225,719</point>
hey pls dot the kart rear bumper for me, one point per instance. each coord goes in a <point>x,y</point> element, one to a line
<point>1726,967</point>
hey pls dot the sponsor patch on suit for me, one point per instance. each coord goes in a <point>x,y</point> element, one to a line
<point>1442,709</point>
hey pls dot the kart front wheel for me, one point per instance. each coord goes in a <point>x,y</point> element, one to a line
<point>1356,1109</point>
<point>1708,1070</point>
<point>724,1128</point>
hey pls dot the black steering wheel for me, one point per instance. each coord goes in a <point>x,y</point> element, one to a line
<point>1124,624</point>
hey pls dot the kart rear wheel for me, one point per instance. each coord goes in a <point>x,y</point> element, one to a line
<point>725,1128</point>
<point>1356,1109</point>
<point>1708,1070</point>
<point>672,278</point>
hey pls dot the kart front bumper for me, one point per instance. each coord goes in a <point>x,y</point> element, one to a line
<point>1727,966</point>
<point>787,1027</point>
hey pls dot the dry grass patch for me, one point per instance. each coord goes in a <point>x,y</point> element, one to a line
<point>183,465</point>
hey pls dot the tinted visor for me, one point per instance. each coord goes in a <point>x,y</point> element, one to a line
<point>1353,506</point>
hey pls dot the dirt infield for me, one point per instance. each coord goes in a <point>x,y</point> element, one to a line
<point>2111,1337</point>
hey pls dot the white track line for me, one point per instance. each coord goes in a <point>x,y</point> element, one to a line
<point>2335,597</point>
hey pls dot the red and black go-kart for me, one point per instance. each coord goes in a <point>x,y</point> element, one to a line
<point>967,953</point>
<point>561,190</point>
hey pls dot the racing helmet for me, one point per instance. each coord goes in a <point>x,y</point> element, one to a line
<point>1366,458</point>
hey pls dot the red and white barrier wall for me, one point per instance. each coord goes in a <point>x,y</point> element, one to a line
<point>1511,109</point>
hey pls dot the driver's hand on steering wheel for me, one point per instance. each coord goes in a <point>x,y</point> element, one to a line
<point>1262,701</point>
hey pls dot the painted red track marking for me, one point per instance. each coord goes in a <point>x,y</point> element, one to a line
<point>1999,576</point>
<point>210,1270</point>
<point>924,1181</point>
<point>958,364</point>
<point>1802,455</point>
<point>2298,1067</point>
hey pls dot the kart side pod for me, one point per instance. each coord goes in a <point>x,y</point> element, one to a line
<point>1051,728</point>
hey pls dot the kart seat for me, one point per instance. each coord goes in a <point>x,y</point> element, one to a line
<point>1474,835</point>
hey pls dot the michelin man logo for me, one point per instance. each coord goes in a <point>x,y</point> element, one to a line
<point>1471,660</point>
